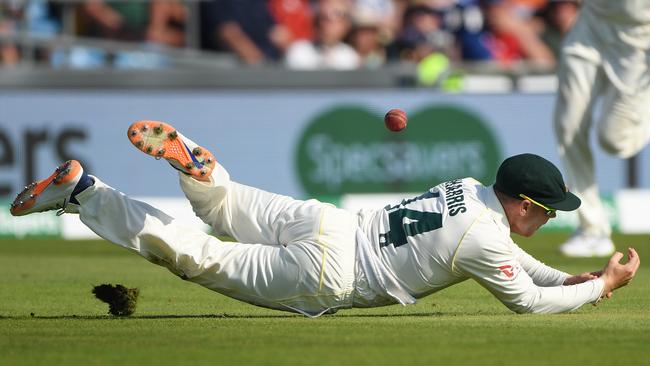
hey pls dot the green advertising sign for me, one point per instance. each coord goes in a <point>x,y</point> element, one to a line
<point>40,224</point>
<point>347,149</point>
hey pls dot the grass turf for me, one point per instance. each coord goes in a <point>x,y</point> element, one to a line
<point>49,316</point>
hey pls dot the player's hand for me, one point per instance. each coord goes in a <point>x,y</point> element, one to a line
<point>617,275</point>
<point>580,278</point>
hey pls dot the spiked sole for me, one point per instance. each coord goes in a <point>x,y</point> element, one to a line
<point>161,140</point>
<point>28,197</point>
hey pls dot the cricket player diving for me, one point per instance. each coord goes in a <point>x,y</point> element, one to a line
<point>312,258</point>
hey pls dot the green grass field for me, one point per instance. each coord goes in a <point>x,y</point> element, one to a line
<point>49,317</point>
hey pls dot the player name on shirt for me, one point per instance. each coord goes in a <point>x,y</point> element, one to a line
<point>454,197</point>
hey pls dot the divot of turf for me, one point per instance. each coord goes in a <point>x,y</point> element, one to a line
<point>121,301</point>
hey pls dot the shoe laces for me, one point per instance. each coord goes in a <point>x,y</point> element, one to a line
<point>60,207</point>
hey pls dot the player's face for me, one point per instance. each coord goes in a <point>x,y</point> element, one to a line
<point>532,218</point>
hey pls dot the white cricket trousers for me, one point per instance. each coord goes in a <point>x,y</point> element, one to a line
<point>290,254</point>
<point>623,130</point>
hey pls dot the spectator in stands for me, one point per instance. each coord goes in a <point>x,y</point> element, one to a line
<point>294,21</point>
<point>328,50</point>
<point>245,27</point>
<point>160,22</point>
<point>37,18</point>
<point>489,30</point>
<point>513,37</point>
<point>526,9</point>
<point>386,13</point>
<point>156,23</point>
<point>167,23</point>
<point>365,37</point>
<point>425,43</point>
<point>422,35</point>
<point>122,21</point>
<point>559,16</point>
<point>9,15</point>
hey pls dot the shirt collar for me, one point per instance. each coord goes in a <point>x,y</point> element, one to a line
<point>492,202</point>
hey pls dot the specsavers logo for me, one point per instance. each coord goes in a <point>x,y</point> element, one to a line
<point>348,150</point>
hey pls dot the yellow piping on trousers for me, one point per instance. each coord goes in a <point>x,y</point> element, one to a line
<point>323,248</point>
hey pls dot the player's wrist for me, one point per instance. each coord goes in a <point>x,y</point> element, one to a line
<point>608,285</point>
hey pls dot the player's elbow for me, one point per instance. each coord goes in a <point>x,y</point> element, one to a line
<point>538,307</point>
<point>519,309</point>
<point>527,305</point>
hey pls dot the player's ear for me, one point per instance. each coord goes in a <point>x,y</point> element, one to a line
<point>524,207</point>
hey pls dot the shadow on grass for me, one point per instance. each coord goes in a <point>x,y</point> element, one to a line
<point>217,316</point>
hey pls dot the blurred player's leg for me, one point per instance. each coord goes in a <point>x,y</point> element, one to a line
<point>580,85</point>
<point>624,129</point>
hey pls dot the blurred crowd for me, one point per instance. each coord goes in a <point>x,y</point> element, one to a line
<point>299,34</point>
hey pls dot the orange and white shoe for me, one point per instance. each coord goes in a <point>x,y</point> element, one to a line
<point>161,140</point>
<point>51,193</point>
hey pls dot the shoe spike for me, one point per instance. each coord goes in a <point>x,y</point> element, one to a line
<point>189,166</point>
<point>172,135</point>
<point>149,149</point>
<point>196,151</point>
<point>145,128</point>
<point>134,132</point>
<point>158,129</point>
<point>139,144</point>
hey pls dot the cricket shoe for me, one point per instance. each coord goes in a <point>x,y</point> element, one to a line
<point>584,246</point>
<point>161,140</point>
<point>51,193</point>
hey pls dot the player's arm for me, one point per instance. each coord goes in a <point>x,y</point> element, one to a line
<point>495,267</point>
<point>542,274</point>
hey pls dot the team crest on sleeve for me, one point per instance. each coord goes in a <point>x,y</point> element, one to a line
<point>509,271</point>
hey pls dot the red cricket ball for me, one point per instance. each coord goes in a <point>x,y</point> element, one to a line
<point>395,120</point>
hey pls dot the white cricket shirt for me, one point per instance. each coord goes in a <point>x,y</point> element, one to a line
<point>458,230</point>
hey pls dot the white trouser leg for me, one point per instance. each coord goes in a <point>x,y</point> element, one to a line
<point>580,85</point>
<point>624,128</point>
<point>312,275</point>
<point>248,214</point>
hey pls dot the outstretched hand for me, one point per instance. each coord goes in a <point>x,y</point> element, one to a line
<point>617,275</point>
